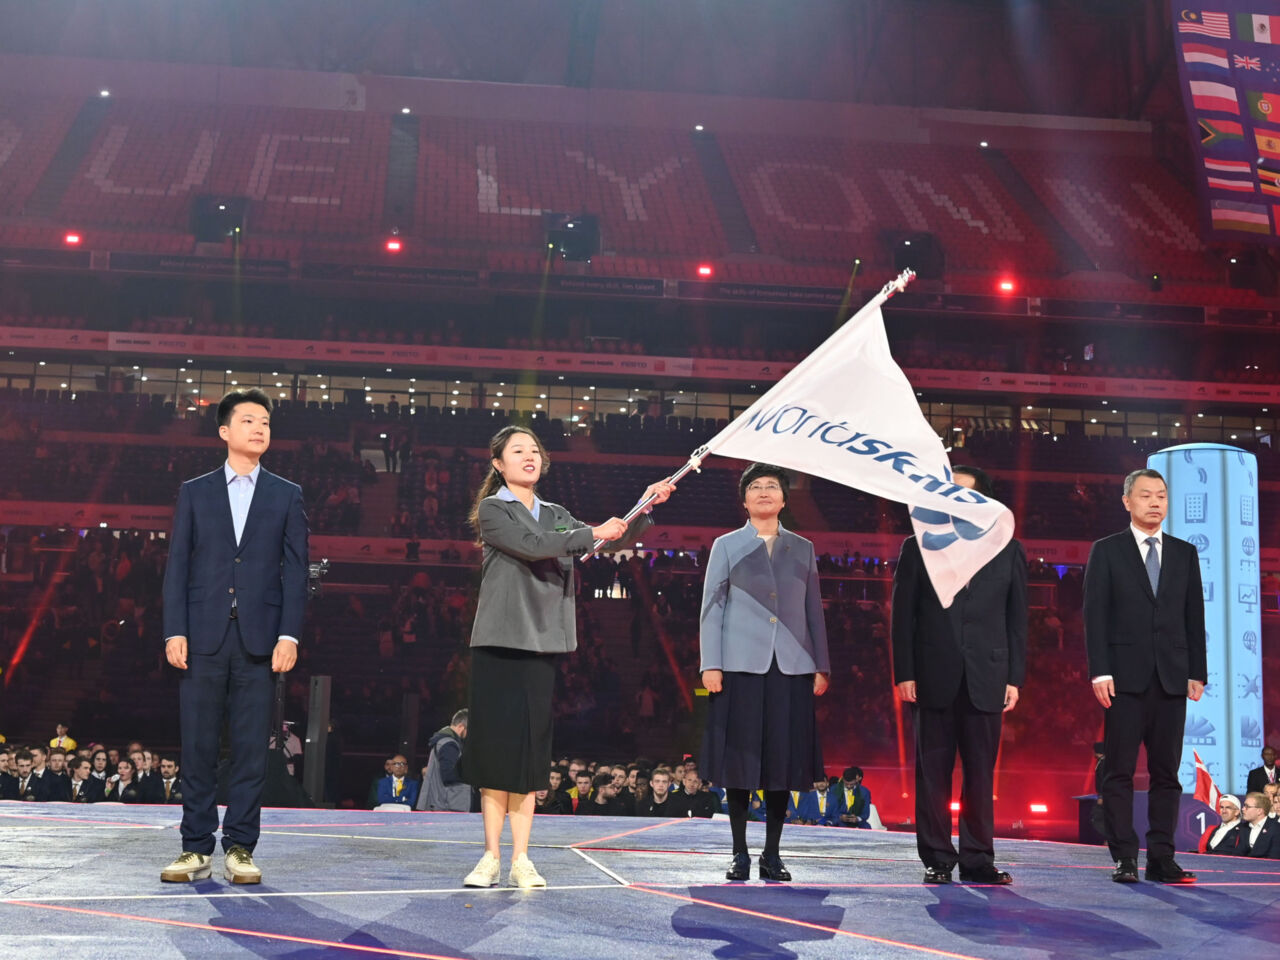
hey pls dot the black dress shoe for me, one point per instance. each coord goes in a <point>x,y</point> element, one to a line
<point>739,867</point>
<point>1126,870</point>
<point>772,868</point>
<point>937,875</point>
<point>985,875</point>
<point>1167,871</point>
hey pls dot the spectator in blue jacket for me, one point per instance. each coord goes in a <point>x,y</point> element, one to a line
<point>396,787</point>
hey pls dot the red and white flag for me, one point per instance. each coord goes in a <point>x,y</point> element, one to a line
<point>1206,790</point>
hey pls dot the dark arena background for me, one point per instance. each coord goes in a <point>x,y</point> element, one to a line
<point>618,222</point>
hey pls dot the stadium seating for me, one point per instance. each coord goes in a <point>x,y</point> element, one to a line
<point>31,128</point>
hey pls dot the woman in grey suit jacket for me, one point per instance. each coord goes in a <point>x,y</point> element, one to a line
<point>764,659</point>
<point>524,617</point>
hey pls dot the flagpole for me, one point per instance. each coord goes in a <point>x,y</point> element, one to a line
<point>694,463</point>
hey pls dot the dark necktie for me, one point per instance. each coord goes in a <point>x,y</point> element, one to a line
<point>1153,564</point>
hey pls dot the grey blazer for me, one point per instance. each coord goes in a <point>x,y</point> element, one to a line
<point>526,576</point>
<point>756,607</point>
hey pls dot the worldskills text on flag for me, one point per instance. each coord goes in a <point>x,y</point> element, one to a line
<point>1229,68</point>
<point>849,414</point>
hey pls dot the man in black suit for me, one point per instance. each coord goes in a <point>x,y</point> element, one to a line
<point>84,788</point>
<point>960,669</point>
<point>1144,629</point>
<point>1259,777</point>
<point>1260,834</point>
<point>234,591</point>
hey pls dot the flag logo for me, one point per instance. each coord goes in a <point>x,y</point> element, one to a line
<point>1247,63</point>
<point>1263,106</point>
<point>1214,132</point>
<point>1207,95</point>
<point>1204,57</point>
<point>1257,27</point>
<point>1228,166</point>
<point>1206,790</point>
<point>1232,215</point>
<point>1207,23</point>
<point>1268,143</point>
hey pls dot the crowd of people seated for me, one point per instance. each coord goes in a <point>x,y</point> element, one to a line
<point>64,770</point>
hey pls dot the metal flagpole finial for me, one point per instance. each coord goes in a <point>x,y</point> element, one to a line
<point>898,284</point>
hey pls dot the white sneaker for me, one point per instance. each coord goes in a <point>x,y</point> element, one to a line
<point>524,874</point>
<point>238,867</point>
<point>190,866</point>
<point>486,873</point>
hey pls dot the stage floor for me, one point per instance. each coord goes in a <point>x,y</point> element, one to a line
<point>84,881</point>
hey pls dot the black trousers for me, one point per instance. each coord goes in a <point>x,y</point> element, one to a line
<point>941,734</point>
<point>230,683</point>
<point>1155,719</point>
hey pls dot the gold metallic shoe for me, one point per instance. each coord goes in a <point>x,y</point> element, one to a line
<point>240,868</point>
<point>190,866</point>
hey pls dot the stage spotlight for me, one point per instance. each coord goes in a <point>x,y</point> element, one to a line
<point>698,128</point>
<point>955,806</point>
<point>705,270</point>
<point>393,245</point>
<point>1039,808</point>
<point>104,92</point>
<point>405,110</point>
<point>72,239</point>
<point>983,144</point>
<point>1006,286</point>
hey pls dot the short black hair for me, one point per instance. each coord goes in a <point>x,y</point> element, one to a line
<point>1146,472</point>
<point>981,479</point>
<point>852,773</point>
<point>758,470</point>
<point>233,399</point>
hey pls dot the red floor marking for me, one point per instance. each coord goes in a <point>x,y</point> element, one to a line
<point>720,853</point>
<point>384,951</point>
<point>279,826</point>
<point>626,833</point>
<point>108,823</point>
<point>835,931</point>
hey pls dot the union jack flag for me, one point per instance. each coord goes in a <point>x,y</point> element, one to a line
<point>1247,63</point>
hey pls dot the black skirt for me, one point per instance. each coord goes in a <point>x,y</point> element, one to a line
<point>761,733</point>
<point>508,745</point>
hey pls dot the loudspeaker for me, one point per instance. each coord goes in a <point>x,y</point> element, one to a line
<point>214,219</point>
<point>572,237</point>
<point>921,252</point>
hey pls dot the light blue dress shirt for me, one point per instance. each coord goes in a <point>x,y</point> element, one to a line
<point>240,490</point>
<point>504,493</point>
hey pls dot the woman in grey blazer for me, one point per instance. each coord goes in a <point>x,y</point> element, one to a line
<point>764,659</point>
<point>524,617</point>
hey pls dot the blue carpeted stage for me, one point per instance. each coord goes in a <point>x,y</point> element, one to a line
<point>84,881</point>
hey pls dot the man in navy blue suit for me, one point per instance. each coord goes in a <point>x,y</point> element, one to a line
<point>234,591</point>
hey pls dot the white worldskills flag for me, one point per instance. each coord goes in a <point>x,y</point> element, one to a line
<point>848,413</point>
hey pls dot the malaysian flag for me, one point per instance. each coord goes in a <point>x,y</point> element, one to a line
<point>1205,22</point>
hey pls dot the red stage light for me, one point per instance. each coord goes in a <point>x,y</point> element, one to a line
<point>704,270</point>
<point>1006,286</point>
<point>955,806</point>
<point>393,246</point>
<point>72,239</point>
<point>1039,808</point>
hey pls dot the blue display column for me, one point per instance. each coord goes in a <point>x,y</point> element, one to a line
<point>1213,503</point>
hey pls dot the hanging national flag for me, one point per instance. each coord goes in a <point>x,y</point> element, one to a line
<point>1269,181</point>
<point>1264,106</point>
<point>1214,132</point>
<point>1201,56</point>
<point>1228,166</point>
<point>1268,143</point>
<point>1231,215</point>
<point>848,413</point>
<point>1206,23</point>
<point>1257,27</point>
<point>1247,63</point>
<point>1229,183</point>
<point>1206,790</point>
<point>1207,95</point>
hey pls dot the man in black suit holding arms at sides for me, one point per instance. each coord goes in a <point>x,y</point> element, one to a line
<point>234,592</point>
<point>1144,629</point>
<point>960,669</point>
